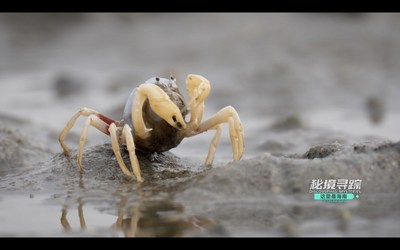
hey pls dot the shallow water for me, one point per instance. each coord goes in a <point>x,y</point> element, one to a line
<point>296,80</point>
<point>44,218</point>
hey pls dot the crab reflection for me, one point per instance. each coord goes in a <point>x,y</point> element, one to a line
<point>149,219</point>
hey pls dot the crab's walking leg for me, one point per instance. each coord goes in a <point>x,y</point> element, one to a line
<point>96,122</point>
<point>229,115</point>
<point>71,122</point>
<point>213,146</point>
<point>198,89</point>
<point>128,139</point>
<point>115,146</point>
<point>130,144</point>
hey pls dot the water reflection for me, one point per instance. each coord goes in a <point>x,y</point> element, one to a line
<point>161,218</point>
<point>64,221</point>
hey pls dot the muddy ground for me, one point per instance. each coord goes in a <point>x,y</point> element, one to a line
<point>318,95</point>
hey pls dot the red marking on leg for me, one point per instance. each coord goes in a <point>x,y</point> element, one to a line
<point>107,132</point>
<point>106,119</point>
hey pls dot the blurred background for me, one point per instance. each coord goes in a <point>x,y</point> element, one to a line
<point>336,71</point>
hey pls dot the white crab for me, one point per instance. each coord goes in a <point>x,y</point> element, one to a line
<point>153,121</point>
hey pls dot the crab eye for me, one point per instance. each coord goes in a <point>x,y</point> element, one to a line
<point>172,82</point>
<point>174,118</point>
<point>157,79</point>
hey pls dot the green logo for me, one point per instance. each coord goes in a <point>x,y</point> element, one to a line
<point>335,197</point>
<point>335,190</point>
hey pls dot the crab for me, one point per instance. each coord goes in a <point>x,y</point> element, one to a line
<point>154,121</point>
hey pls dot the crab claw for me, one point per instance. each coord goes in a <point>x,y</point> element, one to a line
<point>168,111</point>
<point>160,103</point>
<point>198,88</point>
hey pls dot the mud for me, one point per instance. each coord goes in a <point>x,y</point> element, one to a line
<point>264,195</point>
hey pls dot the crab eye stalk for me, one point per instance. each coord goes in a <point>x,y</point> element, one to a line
<point>172,82</point>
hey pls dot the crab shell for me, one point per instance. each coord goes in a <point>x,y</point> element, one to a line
<point>163,136</point>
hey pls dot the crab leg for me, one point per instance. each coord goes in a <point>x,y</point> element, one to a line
<point>115,147</point>
<point>130,144</point>
<point>213,146</point>
<point>96,122</point>
<point>83,112</point>
<point>230,116</point>
<point>128,139</point>
<point>198,89</point>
